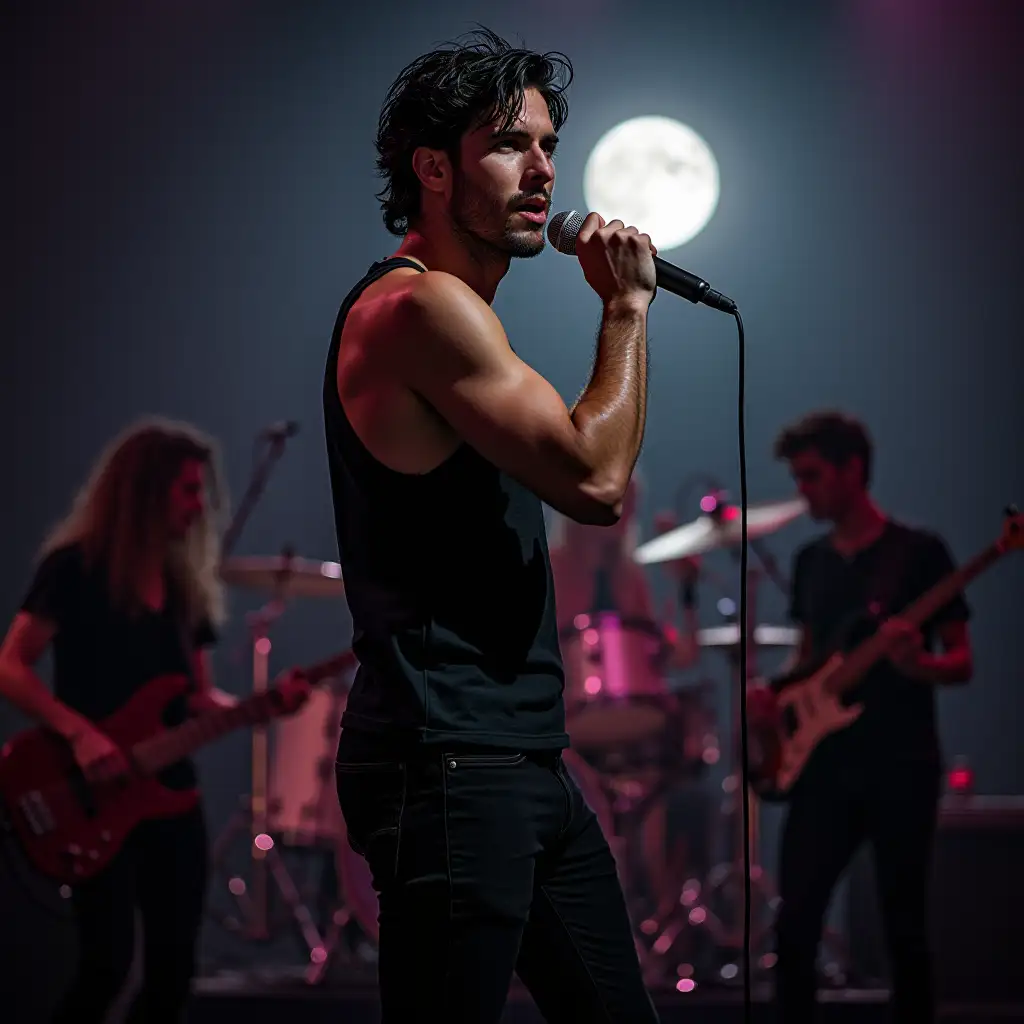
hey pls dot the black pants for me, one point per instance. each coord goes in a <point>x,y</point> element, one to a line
<point>830,815</point>
<point>485,864</point>
<point>161,871</point>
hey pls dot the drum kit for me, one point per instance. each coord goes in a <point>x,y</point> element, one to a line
<point>635,737</point>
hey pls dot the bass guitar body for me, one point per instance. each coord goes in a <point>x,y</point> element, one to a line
<point>784,729</point>
<point>787,723</point>
<point>69,829</point>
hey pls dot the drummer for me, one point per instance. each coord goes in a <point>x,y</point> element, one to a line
<point>593,571</point>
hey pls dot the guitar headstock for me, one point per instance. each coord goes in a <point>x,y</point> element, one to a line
<point>1012,537</point>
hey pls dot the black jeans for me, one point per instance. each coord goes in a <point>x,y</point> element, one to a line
<point>830,815</point>
<point>161,871</point>
<point>486,863</point>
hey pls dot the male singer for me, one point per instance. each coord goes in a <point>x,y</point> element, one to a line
<point>442,444</point>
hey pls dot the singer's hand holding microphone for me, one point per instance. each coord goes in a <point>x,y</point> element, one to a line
<point>618,260</point>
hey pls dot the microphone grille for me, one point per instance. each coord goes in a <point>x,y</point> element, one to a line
<point>562,231</point>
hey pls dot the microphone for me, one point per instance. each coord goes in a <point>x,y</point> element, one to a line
<point>564,227</point>
<point>279,431</point>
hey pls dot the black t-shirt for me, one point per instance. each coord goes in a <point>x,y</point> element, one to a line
<point>829,591</point>
<point>102,655</point>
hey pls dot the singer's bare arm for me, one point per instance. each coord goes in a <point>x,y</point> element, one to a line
<point>458,359</point>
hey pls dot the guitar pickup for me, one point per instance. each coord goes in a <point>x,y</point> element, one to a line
<point>36,812</point>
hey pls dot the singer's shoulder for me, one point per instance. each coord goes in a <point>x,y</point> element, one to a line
<point>444,307</point>
<point>436,286</point>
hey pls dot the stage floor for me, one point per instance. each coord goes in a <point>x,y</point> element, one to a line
<point>230,996</point>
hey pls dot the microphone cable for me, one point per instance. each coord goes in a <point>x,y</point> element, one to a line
<point>744,630</point>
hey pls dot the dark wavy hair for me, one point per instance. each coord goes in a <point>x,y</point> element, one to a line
<point>443,94</point>
<point>835,436</point>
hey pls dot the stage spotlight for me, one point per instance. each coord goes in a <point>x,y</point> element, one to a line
<point>657,174</point>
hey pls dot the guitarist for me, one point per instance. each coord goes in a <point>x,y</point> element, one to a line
<point>878,779</point>
<point>126,590</point>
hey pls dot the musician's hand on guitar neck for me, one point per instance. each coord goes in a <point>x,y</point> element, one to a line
<point>100,759</point>
<point>210,700</point>
<point>907,644</point>
<point>292,691</point>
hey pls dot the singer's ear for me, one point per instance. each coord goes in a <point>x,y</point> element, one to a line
<point>434,169</point>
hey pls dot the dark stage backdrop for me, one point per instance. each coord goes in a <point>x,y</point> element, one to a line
<point>189,194</point>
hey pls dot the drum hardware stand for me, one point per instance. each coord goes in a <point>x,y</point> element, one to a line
<point>275,437</point>
<point>316,972</point>
<point>628,809</point>
<point>692,909</point>
<point>333,947</point>
<point>727,879</point>
<point>629,803</point>
<point>255,816</point>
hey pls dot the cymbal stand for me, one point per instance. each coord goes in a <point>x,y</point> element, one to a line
<point>725,881</point>
<point>727,878</point>
<point>630,801</point>
<point>258,478</point>
<point>255,816</point>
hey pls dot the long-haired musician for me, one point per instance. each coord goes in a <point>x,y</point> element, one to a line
<point>126,590</point>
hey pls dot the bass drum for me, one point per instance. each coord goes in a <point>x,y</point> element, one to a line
<point>354,873</point>
<point>302,794</point>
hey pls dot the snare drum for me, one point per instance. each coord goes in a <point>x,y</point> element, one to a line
<point>615,689</point>
<point>684,747</point>
<point>354,874</point>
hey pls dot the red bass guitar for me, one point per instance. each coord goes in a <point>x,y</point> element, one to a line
<point>70,829</point>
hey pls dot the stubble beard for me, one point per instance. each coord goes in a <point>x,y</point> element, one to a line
<point>471,209</point>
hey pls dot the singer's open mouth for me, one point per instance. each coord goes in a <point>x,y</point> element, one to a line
<point>536,216</point>
<point>536,204</point>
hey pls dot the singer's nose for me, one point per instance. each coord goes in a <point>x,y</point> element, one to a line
<point>540,171</point>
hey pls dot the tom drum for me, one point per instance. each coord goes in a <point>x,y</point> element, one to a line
<point>615,688</point>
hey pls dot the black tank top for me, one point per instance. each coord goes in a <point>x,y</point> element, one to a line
<point>449,583</point>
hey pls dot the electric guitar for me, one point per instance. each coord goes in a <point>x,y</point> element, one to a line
<point>70,829</point>
<point>785,728</point>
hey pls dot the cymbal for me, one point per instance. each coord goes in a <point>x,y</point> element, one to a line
<point>764,636</point>
<point>707,533</point>
<point>284,577</point>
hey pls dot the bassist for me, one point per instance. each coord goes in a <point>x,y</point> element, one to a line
<point>878,779</point>
<point>126,591</point>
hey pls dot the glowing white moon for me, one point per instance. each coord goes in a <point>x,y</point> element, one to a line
<point>657,174</point>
